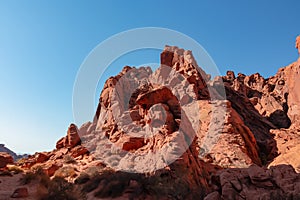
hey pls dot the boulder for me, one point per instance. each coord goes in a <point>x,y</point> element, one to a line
<point>51,167</point>
<point>5,159</point>
<point>41,157</point>
<point>79,151</point>
<point>60,143</point>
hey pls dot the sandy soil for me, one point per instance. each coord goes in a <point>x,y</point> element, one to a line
<point>8,185</point>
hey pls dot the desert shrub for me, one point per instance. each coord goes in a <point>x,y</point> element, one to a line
<point>263,158</point>
<point>60,189</point>
<point>111,189</point>
<point>92,184</point>
<point>28,178</point>
<point>96,174</point>
<point>112,184</point>
<point>95,170</point>
<point>91,174</point>
<point>277,194</point>
<point>37,174</point>
<point>69,159</point>
<point>37,169</point>
<point>163,184</point>
<point>82,178</point>
<point>156,185</point>
<point>15,169</point>
<point>65,172</point>
<point>5,173</point>
<point>56,189</point>
<point>21,161</point>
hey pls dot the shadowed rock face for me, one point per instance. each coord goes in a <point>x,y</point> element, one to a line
<point>278,182</point>
<point>275,104</point>
<point>174,128</point>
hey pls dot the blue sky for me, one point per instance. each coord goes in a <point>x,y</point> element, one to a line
<point>43,43</point>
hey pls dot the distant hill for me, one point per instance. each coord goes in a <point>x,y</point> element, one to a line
<point>13,154</point>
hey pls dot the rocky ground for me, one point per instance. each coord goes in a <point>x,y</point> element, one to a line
<point>174,134</point>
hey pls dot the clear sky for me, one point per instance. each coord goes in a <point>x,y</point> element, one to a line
<point>43,43</point>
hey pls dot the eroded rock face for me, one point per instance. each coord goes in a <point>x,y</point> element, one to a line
<point>288,147</point>
<point>257,124</point>
<point>235,146</point>
<point>183,62</point>
<point>276,102</point>
<point>275,98</point>
<point>268,96</point>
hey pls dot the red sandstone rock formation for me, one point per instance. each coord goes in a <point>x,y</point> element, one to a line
<point>177,126</point>
<point>71,140</point>
<point>5,159</point>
